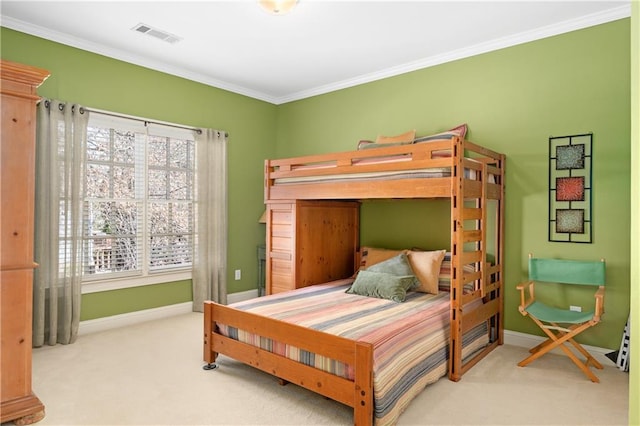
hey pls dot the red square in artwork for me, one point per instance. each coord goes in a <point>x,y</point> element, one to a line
<point>570,189</point>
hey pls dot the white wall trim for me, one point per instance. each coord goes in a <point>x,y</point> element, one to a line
<point>131,318</point>
<point>98,286</point>
<point>602,17</point>
<point>525,340</point>
<point>122,55</point>
<point>579,23</point>
<point>242,296</point>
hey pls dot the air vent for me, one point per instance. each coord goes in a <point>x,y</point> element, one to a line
<point>156,33</point>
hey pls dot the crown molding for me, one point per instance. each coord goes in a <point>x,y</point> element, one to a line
<point>586,21</point>
<point>58,37</point>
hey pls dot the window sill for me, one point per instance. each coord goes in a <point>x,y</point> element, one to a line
<point>129,282</point>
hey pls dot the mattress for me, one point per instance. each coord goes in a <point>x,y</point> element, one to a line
<point>410,339</point>
<point>369,176</point>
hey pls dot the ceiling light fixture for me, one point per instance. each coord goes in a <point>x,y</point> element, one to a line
<point>278,7</point>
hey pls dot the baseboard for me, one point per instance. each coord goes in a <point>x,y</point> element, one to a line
<point>525,340</point>
<point>123,320</point>
<point>242,296</point>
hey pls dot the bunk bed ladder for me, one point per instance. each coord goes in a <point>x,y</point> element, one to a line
<point>500,254</point>
<point>469,209</point>
<point>457,247</point>
<point>484,265</point>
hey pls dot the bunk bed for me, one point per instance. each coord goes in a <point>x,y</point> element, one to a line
<point>313,246</point>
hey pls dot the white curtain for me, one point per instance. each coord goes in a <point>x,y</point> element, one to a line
<point>60,168</point>
<point>210,259</point>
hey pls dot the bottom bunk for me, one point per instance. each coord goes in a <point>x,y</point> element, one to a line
<point>372,354</point>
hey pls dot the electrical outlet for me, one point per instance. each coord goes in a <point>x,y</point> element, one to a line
<point>575,308</point>
<point>238,274</point>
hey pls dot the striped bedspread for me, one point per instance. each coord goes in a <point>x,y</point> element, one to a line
<point>410,339</point>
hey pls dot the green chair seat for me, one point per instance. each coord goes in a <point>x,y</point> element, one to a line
<point>550,314</point>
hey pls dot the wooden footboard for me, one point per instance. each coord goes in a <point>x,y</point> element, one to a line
<point>357,393</point>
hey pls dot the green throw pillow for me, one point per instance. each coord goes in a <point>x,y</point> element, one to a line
<point>382,285</point>
<point>398,265</point>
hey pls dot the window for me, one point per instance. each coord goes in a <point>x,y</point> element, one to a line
<point>138,200</point>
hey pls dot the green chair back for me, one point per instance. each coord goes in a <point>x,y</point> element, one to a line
<point>567,271</point>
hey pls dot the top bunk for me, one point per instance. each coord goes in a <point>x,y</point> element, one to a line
<point>423,168</point>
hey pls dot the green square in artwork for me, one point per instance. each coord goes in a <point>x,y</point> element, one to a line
<point>570,157</point>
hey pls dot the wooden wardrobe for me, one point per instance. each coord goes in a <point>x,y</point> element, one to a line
<point>301,235</point>
<point>17,174</point>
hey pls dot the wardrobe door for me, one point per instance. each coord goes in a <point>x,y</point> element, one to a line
<point>310,242</point>
<point>327,236</point>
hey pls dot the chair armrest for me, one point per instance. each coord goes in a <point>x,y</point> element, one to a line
<point>524,302</point>
<point>599,309</point>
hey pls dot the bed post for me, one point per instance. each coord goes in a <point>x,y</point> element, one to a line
<point>208,355</point>
<point>363,409</point>
<point>482,245</point>
<point>500,240</point>
<point>267,180</point>
<point>457,246</point>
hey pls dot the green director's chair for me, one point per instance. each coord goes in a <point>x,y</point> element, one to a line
<point>562,325</point>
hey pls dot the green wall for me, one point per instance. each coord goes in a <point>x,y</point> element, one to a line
<point>513,100</point>
<point>103,83</point>
<point>102,304</point>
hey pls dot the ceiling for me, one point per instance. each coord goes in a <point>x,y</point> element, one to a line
<point>319,47</point>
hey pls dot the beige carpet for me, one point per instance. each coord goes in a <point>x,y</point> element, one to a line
<point>150,374</point>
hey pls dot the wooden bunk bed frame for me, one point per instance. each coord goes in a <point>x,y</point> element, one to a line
<point>477,176</point>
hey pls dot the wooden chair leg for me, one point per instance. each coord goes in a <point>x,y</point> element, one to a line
<point>590,359</point>
<point>558,340</point>
<point>581,365</point>
<point>540,346</point>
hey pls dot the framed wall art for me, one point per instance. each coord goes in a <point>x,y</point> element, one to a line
<point>570,188</point>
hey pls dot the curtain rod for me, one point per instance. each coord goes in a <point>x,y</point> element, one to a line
<point>144,120</point>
